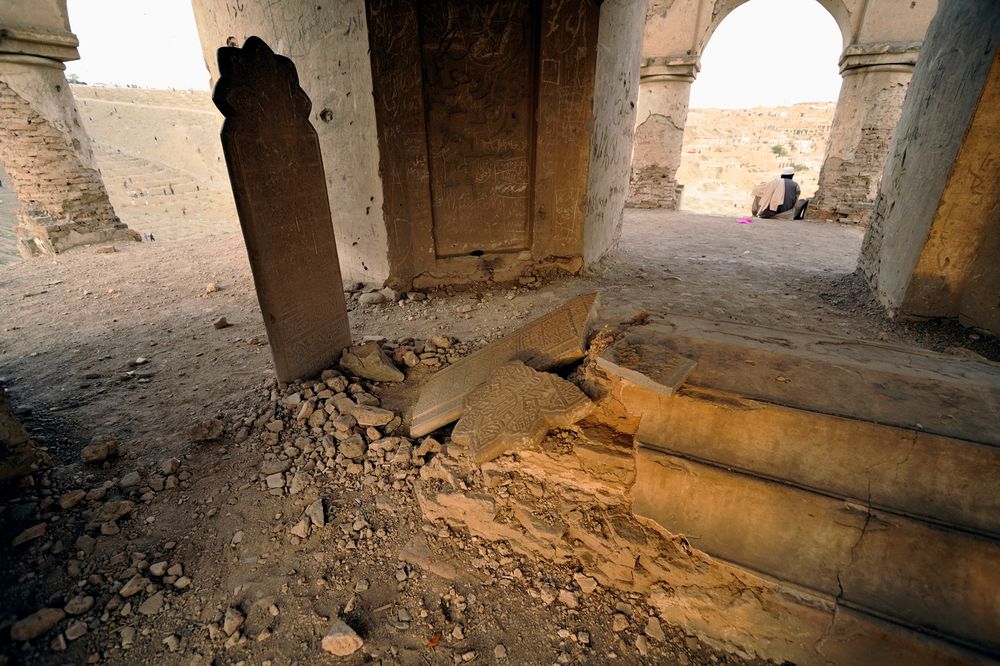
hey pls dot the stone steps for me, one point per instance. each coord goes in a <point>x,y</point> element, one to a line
<point>861,472</point>
<point>941,480</point>
<point>194,208</point>
<point>925,577</point>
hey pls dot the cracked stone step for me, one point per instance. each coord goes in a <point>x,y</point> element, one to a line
<point>943,480</point>
<point>866,559</point>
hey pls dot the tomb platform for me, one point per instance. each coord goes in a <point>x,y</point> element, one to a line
<point>781,495</point>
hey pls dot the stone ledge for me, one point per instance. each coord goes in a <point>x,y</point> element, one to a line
<point>35,41</point>
<point>901,56</point>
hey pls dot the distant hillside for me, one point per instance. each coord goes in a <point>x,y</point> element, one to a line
<point>161,158</point>
<point>729,151</point>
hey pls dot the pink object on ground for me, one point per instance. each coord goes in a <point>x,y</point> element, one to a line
<point>744,220</point>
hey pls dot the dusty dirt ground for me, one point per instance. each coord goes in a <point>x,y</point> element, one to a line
<point>72,328</point>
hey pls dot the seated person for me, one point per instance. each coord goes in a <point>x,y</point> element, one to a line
<point>779,198</point>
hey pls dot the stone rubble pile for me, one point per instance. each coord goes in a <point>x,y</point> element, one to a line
<point>420,510</point>
<point>101,593</point>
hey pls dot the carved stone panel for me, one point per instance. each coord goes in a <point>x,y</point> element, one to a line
<point>276,169</point>
<point>478,75</point>
<point>515,409</point>
<point>551,340</point>
<point>485,114</point>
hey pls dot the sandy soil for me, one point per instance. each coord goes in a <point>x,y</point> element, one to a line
<point>73,326</point>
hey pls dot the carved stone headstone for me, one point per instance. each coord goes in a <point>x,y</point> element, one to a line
<point>549,341</point>
<point>276,170</point>
<point>515,409</point>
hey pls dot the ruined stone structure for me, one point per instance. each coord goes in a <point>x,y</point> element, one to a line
<point>43,146</point>
<point>934,239</point>
<point>881,42</point>
<point>460,142</point>
<point>851,523</point>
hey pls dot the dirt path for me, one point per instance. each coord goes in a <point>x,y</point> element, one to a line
<point>71,332</point>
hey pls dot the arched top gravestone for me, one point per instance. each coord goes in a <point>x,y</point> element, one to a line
<point>276,170</point>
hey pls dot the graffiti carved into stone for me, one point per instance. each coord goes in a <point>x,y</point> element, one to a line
<point>276,169</point>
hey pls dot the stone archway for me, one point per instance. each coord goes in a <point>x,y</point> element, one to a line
<point>880,48</point>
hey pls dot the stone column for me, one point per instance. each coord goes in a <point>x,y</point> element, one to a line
<point>43,145</point>
<point>664,91</point>
<point>875,78</point>
<point>932,246</point>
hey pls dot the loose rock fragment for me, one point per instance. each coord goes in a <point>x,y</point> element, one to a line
<point>654,630</point>
<point>36,624</point>
<point>368,361</point>
<point>556,338</point>
<point>301,528</point>
<point>130,480</point>
<point>206,430</point>
<point>619,623</point>
<point>315,513</point>
<point>29,534</point>
<point>111,511</point>
<point>371,416</point>
<point>232,621</point>
<point>99,451</point>
<point>134,585</point>
<point>71,499</point>
<point>568,598</point>
<point>152,605</point>
<point>341,640</point>
<point>75,630</point>
<point>586,583</point>
<point>79,604</point>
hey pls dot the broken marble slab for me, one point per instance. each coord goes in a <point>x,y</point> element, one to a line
<point>649,366</point>
<point>515,408</point>
<point>369,361</point>
<point>554,339</point>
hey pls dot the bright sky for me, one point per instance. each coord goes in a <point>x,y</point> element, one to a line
<point>151,43</point>
<point>745,54</point>
<point>154,44</point>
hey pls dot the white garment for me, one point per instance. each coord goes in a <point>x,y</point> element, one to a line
<point>769,195</point>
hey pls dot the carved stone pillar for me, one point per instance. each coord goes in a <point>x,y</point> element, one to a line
<point>664,91</point>
<point>875,78</point>
<point>43,145</point>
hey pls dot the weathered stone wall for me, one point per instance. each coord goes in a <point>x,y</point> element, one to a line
<point>470,193</point>
<point>328,42</point>
<point>940,181</point>
<point>48,158</point>
<point>461,184</point>
<point>616,88</point>
<point>867,111</point>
